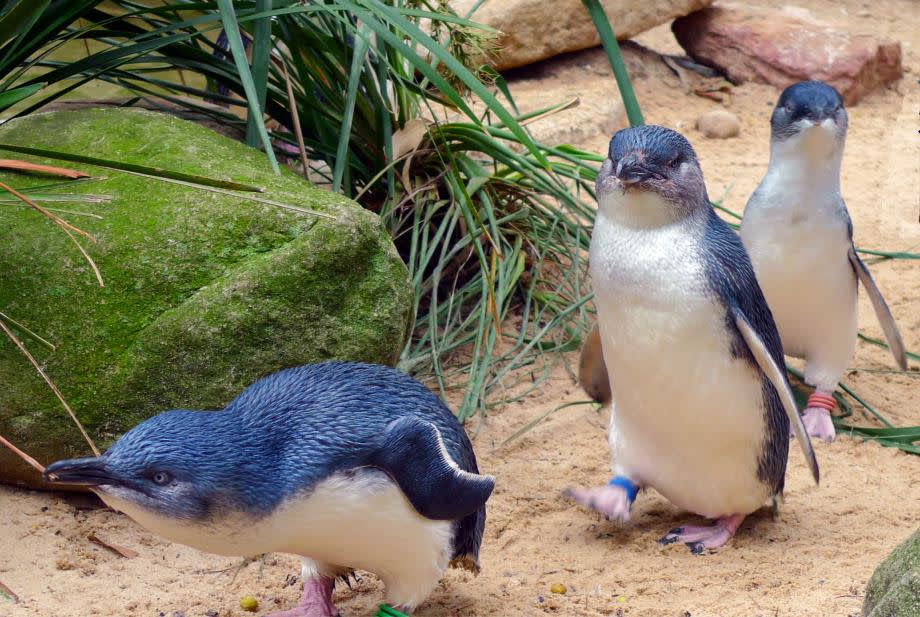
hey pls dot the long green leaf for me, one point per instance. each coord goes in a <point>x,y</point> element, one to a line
<point>609,41</point>
<point>261,50</point>
<point>18,19</point>
<point>357,63</point>
<point>232,29</point>
<point>11,97</point>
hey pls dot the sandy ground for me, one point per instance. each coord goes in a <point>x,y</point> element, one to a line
<point>814,559</point>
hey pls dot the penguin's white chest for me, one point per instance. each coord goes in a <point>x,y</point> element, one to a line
<point>798,243</point>
<point>360,519</point>
<point>687,418</point>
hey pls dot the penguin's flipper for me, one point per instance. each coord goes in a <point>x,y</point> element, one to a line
<point>412,453</point>
<point>778,378</point>
<point>882,312</point>
<point>592,371</point>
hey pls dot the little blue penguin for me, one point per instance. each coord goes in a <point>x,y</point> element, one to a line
<point>700,405</point>
<point>798,233</point>
<point>348,465</point>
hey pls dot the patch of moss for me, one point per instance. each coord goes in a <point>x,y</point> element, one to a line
<point>204,292</point>
<point>894,589</point>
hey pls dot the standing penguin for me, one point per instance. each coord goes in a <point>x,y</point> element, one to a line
<point>347,465</point>
<point>798,233</point>
<point>700,405</point>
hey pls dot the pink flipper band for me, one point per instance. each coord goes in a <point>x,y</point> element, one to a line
<point>822,401</point>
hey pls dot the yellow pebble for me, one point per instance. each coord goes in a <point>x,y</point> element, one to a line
<point>557,588</point>
<point>248,603</point>
<point>621,599</point>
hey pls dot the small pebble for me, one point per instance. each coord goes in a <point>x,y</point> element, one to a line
<point>557,588</point>
<point>719,124</point>
<point>248,603</point>
<point>211,613</point>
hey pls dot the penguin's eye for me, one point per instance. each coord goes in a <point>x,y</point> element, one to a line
<point>676,161</point>
<point>789,108</point>
<point>161,477</point>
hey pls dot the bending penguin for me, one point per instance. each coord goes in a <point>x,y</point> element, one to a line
<point>798,233</point>
<point>700,406</point>
<point>347,465</point>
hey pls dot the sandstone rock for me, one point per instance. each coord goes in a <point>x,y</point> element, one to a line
<point>894,589</point>
<point>533,30</point>
<point>777,48</point>
<point>204,292</point>
<point>718,124</point>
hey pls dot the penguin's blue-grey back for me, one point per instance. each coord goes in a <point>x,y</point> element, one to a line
<point>731,277</point>
<point>321,403</point>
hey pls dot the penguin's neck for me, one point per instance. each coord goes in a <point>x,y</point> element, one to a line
<point>806,163</point>
<point>639,210</point>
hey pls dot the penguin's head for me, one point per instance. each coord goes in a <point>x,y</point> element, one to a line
<point>174,465</point>
<point>653,169</point>
<point>809,114</point>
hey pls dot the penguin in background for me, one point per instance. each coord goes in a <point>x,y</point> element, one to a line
<point>685,350</point>
<point>348,465</point>
<point>799,235</point>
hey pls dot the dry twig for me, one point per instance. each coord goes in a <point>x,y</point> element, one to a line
<point>64,225</point>
<point>9,593</point>
<point>127,553</point>
<point>28,459</point>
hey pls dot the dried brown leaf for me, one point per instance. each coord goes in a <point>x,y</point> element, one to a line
<point>73,174</point>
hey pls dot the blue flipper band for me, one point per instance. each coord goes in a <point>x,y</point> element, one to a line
<point>631,489</point>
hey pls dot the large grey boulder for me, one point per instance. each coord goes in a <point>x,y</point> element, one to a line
<point>204,292</point>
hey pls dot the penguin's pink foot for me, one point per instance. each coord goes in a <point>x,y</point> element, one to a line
<point>818,423</point>
<point>610,500</point>
<point>698,538</point>
<point>316,600</point>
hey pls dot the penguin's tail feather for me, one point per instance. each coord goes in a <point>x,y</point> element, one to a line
<point>412,453</point>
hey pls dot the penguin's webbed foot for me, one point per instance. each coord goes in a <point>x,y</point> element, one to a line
<point>611,501</point>
<point>316,600</point>
<point>700,538</point>
<point>818,423</point>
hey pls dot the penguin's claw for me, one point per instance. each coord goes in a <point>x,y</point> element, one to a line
<point>316,600</point>
<point>672,536</point>
<point>698,539</point>
<point>818,423</point>
<point>611,501</point>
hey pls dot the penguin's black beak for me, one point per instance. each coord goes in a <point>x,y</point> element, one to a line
<point>630,169</point>
<point>81,471</point>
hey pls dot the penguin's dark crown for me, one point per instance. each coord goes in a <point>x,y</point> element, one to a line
<point>806,100</point>
<point>657,146</point>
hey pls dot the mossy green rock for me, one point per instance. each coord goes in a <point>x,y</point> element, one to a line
<point>204,292</point>
<point>894,589</point>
